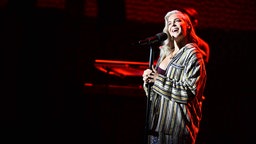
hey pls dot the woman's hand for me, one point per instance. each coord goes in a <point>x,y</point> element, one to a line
<point>149,76</point>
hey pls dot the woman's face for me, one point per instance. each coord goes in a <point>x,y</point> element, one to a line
<point>177,26</point>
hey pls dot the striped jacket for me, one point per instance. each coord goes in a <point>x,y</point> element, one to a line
<point>176,97</point>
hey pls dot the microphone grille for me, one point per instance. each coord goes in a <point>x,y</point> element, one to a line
<point>161,36</point>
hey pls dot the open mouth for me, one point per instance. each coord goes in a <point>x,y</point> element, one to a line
<point>175,30</point>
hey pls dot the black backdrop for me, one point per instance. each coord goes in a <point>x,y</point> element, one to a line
<point>48,55</point>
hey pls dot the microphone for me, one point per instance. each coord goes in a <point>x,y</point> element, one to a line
<point>154,39</point>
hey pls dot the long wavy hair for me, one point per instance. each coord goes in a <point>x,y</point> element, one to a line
<point>168,45</point>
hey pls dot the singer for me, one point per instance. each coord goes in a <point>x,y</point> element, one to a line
<point>177,84</point>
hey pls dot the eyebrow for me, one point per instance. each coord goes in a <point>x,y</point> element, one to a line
<point>168,21</point>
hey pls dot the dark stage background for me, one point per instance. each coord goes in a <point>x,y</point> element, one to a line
<point>49,50</point>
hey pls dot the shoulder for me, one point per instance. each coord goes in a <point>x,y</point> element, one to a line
<point>191,47</point>
<point>193,50</point>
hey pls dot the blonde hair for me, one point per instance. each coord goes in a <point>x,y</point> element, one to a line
<point>168,46</point>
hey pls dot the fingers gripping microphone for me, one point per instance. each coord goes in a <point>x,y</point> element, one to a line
<point>154,39</point>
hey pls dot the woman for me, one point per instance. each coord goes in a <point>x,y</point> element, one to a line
<point>178,81</point>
